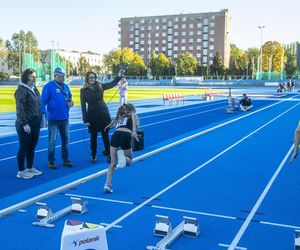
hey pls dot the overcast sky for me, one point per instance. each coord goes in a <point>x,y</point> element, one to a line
<point>93,24</point>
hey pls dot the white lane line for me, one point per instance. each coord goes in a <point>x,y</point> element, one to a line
<point>279,225</point>
<point>105,224</point>
<point>258,203</point>
<point>34,199</point>
<point>194,171</point>
<point>226,246</point>
<point>100,199</point>
<point>195,212</point>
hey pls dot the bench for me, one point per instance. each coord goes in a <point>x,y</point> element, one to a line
<point>176,97</point>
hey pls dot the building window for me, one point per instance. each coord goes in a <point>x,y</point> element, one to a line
<point>191,33</point>
<point>164,41</point>
<point>212,32</point>
<point>175,48</point>
<point>149,27</point>
<point>212,25</point>
<point>136,46</point>
<point>169,52</point>
<point>176,26</point>
<point>163,49</point>
<point>183,40</point>
<point>205,45</point>
<point>191,25</point>
<point>136,32</point>
<point>198,55</point>
<point>170,31</point>
<point>183,26</point>
<point>191,48</point>
<point>212,40</point>
<point>211,47</point>
<point>136,40</point>
<point>156,34</point>
<point>176,19</point>
<point>170,24</point>
<point>157,27</point>
<point>199,25</point>
<point>175,33</point>
<point>142,20</point>
<point>156,49</point>
<point>164,34</point>
<point>175,41</point>
<point>142,49</point>
<point>199,47</point>
<point>142,42</point>
<point>170,45</point>
<point>164,27</point>
<point>175,56</point>
<point>205,37</point>
<point>205,21</point>
<point>131,42</point>
<point>199,32</point>
<point>204,59</point>
<point>211,55</point>
<point>156,41</point>
<point>131,35</point>
<point>183,19</point>
<point>142,28</point>
<point>164,20</point>
<point>142,35</point>
<point>156,20</point>
<point>170,38</point>
<point>198,40</point>
<point>183,33</point>
<point>204,52</point>
<point>183,48</point>
<point>205,29</point>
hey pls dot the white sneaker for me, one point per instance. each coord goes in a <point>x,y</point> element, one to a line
<point>34,171</point>
<point>24,175</point>
<point>107,188</point>
<point>121,159</point>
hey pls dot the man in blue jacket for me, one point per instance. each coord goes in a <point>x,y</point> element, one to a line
<point>56,102</point>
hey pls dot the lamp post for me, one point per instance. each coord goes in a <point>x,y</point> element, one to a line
<point>261,31</point>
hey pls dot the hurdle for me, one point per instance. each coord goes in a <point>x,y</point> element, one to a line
<point>45,217</point>
<point>188,227</point>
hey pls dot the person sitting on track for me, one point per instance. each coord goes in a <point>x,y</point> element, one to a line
<point>126,123</point>
<point>245,103</point>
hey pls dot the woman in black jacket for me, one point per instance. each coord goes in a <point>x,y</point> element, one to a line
<point>95,113</point>
<point>28,123</point>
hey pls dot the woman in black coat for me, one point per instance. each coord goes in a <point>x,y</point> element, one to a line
<point>95,113</point>
<point>28,121</point>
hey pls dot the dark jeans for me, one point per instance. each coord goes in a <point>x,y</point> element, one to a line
<point>27,145</point>
<point>105,139</point>
<point>63,127</point>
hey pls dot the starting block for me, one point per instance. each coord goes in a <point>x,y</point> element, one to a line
<point>188,227</point>
<point>45,216</point>
<point>297,240</point>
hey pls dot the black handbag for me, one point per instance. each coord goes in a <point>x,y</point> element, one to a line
<point>138,145</point>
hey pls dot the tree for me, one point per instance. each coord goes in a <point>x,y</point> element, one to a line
<point>291,63</point>
<point>217,68</point>
<point>238,61</point>
<point>272,53</point>
<point>186,64</point>
<point>21,43</point>
<point>83,66</point>
<point>252,55</point>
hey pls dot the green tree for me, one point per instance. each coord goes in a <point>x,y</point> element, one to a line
<point>186,64</point>
<point>252,55</point>
<point>291,63</point>
<point>21,43</point>
<point>238,61</point>
<point>217,68</point>
<point>83,66</point>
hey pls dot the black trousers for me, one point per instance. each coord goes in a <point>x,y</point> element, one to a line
<point>105,139</point>
<point>27,143</point>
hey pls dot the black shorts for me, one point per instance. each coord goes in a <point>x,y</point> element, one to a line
<point>121,139</point>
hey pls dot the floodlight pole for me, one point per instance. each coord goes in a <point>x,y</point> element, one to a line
<point>261,32</point>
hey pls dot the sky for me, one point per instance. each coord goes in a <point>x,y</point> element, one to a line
<point>84,25</point>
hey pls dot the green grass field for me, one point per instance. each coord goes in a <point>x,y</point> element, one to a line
<point>7,100</point>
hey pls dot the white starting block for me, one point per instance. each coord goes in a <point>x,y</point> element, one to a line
<point>297,240</point>
<point>82,236</point>
<point>45,216</point>
<point>188,227</point>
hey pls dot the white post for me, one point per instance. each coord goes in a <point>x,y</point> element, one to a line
<point>261,57</point>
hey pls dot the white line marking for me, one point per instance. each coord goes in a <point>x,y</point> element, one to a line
<point>195,212</point>
<point>279,225</point>
<point>105,224</point>
<point>34,199</point>
<point>258,203</point>
<point>226,245</point>
<point>100,199</point>
<point>194,171</point>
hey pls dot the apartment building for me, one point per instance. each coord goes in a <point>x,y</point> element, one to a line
<point>202,34</point>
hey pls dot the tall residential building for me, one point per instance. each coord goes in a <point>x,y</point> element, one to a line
<point>202,34</point>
